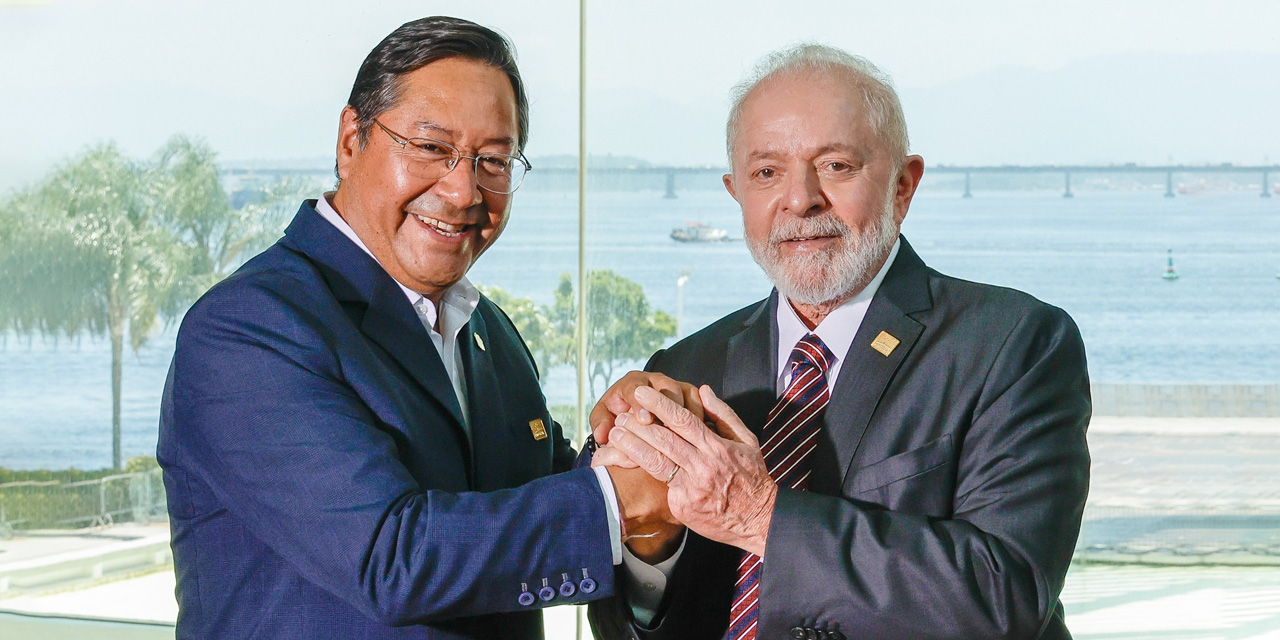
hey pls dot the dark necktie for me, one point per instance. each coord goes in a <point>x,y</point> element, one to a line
<point>789,437</point>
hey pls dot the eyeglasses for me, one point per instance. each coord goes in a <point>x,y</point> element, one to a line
<point>433,159</point>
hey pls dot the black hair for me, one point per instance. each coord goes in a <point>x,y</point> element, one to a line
<point>417,44</point>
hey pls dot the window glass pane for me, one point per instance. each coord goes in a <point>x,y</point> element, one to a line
<point>244,98</point>
<point>1070,153</point>
<point>1131,111</point>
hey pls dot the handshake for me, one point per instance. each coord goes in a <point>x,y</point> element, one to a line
<point>680,457</point>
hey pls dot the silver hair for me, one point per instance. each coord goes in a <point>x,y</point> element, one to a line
<point>884,110</point>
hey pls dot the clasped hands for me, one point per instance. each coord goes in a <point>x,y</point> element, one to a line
<point>679,456</point>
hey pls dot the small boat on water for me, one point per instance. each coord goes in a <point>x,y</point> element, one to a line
<point>698,232</point>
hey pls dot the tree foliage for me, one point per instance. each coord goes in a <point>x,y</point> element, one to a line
<point>622,328</point>
<point>110,245</point>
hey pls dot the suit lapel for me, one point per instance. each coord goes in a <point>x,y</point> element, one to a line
<point>388,319</point>
<point>491,436</point>
<point>392,323</point>
<point>750,375</point>
<point>866,372</point>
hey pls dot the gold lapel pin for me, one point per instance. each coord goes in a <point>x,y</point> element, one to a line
<point>479,342</point>
<point>539,431</point>
<point>885,343</point>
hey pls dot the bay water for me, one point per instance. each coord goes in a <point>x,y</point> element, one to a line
<point>1099,255</point>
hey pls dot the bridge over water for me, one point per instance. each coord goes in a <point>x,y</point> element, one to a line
<point>1066,170</point>
<point>714,173</point>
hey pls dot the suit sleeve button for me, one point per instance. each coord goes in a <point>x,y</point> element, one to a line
<point>797,633</point>
<point>836,635</point>
<point>567,589</point>
<point>587,585</point>
<point>525,599</point>
<point>547,594</point>
<point>810,633</point>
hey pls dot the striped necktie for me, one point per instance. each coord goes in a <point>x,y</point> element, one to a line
<point>790,436</point>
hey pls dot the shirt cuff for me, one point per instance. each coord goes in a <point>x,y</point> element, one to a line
<point>611,513</point>
<point>645,583</point>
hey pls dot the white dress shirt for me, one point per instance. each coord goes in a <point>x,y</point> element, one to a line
<point>458,303</point>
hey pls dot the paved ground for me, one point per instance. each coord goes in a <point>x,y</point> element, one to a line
<point>1164,491</point>
<point>1173,603</point>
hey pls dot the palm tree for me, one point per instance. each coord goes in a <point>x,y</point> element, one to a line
<point>196,207</point>
<point>108,245</point>
<point>88,252</point>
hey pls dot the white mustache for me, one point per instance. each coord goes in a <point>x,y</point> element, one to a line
<point>812,227</point>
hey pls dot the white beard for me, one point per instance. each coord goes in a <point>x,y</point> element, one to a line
<point>821,277</point>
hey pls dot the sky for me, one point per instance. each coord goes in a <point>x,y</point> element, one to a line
<point>983,82</point>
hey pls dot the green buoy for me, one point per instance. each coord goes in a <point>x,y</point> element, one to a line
<point>1169,272</point>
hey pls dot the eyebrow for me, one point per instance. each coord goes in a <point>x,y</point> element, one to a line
<point>445,131</point>
<point>763,155</point>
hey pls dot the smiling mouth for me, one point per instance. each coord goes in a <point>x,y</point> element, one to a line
<point>443,228</point>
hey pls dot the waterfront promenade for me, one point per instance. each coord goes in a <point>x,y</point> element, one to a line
<point>1181,541</point>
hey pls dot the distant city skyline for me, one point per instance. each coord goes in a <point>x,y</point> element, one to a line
<point>996,82</point>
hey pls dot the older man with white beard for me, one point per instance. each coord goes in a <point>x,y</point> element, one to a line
<point>887,452</point>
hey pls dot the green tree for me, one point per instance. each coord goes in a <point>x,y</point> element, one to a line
<point>530,320</point>
<point>621,328</point>
<point>112,246</point>
<point>197,208</point>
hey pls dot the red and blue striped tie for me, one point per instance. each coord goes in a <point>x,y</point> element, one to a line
<point>790,436</point>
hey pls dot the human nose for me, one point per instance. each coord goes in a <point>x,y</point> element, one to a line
<point>802,192</point>
<point>460,186</point>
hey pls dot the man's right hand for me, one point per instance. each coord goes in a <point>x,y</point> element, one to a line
<point>642,505</point>
<point>620,399</point>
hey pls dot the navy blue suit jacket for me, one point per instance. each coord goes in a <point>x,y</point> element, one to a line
<point>320,480</point>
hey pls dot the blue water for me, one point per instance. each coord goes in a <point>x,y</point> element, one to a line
<point>1098,255</point>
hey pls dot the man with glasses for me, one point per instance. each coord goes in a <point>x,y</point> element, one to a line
<point>354,441</point>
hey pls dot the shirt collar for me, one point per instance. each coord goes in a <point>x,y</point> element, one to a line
<point>462,298</point>
<point>838,329</point>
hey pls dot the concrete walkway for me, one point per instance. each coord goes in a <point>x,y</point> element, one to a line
<point>1165,491</point>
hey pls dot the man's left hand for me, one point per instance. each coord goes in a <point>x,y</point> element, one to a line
<point>718,483</point>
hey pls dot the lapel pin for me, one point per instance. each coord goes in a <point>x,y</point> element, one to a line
<point>885,343</point>
<point>539,431</point>
<point>479,342</point>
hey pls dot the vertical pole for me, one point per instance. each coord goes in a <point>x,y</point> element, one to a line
<point>1168,184</point>
<point>580,436</point>
<point>671,185</point>
<point>1266,177</point>
<point>581,337</point>
<point>102,502</point>
<point>967,193</point>
<point>1067,193</point>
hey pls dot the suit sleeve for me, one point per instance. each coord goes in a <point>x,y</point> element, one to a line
<point>288,448</point>
<point>992,570</point>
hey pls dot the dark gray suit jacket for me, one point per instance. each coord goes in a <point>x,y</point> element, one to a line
<point>948,484</point>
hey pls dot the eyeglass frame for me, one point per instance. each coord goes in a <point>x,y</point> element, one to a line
<point>404,142</point>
